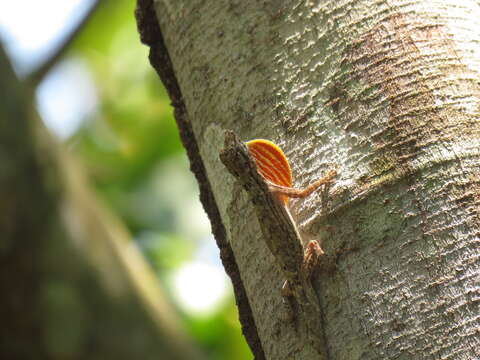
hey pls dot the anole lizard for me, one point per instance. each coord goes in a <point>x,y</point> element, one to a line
<point>270,198</point>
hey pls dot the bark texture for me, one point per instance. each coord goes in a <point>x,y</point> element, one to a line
<point>388,93</point>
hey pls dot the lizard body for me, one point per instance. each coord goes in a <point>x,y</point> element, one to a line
<point>270,199</point>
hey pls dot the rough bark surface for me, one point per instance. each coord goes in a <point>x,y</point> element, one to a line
<point>387,91</point>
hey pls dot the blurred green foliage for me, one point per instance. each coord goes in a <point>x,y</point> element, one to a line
<point>132,151</point>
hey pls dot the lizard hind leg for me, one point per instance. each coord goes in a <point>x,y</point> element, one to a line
<point>314,258</point>
<point>311,257</point>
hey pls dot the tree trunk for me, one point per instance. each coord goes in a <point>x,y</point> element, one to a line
<point>387,93</point>
<point>72,284</point>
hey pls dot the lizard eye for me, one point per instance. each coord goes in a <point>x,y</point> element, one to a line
<point>271,163</point>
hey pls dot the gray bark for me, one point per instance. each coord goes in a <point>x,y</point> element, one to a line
<point>386,92</point>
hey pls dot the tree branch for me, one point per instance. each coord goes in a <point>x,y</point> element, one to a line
<point>39,73</point>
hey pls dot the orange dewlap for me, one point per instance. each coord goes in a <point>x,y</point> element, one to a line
<point>271,163</point>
